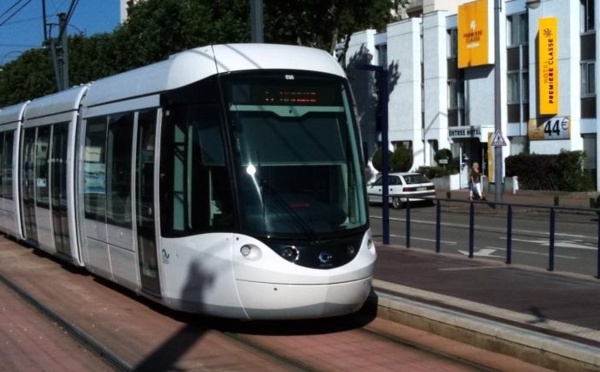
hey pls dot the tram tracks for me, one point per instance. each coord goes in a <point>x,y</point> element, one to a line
<point>135,335</point>
<point>106,355</point>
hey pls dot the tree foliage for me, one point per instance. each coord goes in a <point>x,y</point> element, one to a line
<point>29,76</point>
<point>442,154</point>
<point>322,23</point>
<point>401,160</point>
<point>158,28</point>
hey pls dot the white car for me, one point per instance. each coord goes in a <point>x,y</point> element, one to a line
<point>402,188</point>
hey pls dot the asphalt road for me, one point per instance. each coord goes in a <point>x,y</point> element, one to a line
<point>575,235</point>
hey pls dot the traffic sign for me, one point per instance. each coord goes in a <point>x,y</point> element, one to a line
<point>498,139</point>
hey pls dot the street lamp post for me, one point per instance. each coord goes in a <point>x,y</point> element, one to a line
<point>498,165</point>
<point>385,162</point>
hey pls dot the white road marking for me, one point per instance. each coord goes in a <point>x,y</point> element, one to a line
<point>424,239</point>
<point>537,254</point>
<point>484,252</point>
<point>557,243</point>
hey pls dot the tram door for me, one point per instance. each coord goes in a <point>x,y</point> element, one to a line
<point>28,184</point>
<point>58,188</point>
<point>145,208</point>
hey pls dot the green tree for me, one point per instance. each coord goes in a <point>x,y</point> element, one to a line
<point>322,23</point>
<point>443,154</point>
<point>91,58</point>
<point>29,76</point>
<point>376,159</point>
<point>400,160</point>
<point>157,29</point>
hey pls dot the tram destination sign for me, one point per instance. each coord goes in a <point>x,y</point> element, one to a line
<point>556,128</point>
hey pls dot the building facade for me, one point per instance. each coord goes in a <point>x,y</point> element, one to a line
<point>124,7</point>
<point>443,92</point>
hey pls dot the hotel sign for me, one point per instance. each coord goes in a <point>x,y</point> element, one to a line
<point>548,65</point>
<point>474,34</point>
<point>464,132</point>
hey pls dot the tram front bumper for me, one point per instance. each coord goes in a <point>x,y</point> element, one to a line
<point>290,301</point>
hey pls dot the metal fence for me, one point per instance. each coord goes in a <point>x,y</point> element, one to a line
<point>509,207</point>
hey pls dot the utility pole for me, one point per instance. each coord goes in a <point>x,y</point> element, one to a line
<point>59,46</point>
<point>256,21</point>
<point>60,54</point>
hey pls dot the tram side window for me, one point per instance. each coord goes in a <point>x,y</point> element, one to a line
<point>94,169</point>
<point>6,142</point>
<point>118,169</point>
<point>2,147</point>
<point>41,164</point>
<point>7,159</point>
<point>195,185</point>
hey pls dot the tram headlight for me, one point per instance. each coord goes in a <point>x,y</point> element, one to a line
<point>290,253</point>
<point>250,251</point>
<point>351,251</point>
<point>370,244</point>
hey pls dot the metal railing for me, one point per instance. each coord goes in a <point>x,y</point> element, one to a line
<point>509,226</point>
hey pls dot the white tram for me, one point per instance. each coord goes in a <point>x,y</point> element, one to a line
<point>226,180</point>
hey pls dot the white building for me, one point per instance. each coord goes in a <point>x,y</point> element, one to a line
<point>547,94</point>
<point>125,4</point>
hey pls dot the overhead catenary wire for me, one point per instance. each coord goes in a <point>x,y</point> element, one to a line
<point>2,23</point>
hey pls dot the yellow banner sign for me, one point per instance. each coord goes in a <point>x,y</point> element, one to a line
<point>548,65</point>
<point>474,20</point>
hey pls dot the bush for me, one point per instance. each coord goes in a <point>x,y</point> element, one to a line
<point>562,172</point>
<point>400,160</point>
<point>434,172</point>
<point>376,160</point>
<point>442,154</point>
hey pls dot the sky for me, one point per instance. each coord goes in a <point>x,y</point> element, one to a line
<point>22,26</point>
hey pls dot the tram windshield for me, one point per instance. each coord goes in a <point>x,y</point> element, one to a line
<point>297,155</point>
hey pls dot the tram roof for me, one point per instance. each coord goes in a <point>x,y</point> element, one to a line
<point>57,103</point>
<point>12,114</point>
<point>193,65</point>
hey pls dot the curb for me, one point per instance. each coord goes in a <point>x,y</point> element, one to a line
<point>533,347</point>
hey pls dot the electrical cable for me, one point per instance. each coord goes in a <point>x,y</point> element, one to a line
<point>15,12</point>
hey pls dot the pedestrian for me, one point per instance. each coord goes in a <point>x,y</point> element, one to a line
<point>475,183</point>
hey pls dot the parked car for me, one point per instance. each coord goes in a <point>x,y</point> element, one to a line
<point>403,187</point>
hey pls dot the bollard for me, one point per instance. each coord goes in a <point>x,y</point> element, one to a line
<point>556,201</point>
<point>448,195</point>
<point>592,203</point>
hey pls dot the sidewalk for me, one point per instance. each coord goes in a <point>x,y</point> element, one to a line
<point>529,197</point>
<point>546,318</point>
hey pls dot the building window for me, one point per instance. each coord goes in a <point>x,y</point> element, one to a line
<point>587,15</point>
<point>525,85</point>
<point>518,89</point>
<point>455,95</point>
<point>382,55</point>
<point>513,87</point>
<point>588,78</point>
<point>452,42</point>
<point>517,29</point>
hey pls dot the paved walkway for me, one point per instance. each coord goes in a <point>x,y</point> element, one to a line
<point>546,318</point>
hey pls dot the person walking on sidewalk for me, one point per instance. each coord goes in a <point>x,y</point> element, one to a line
<point>475,183</point>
